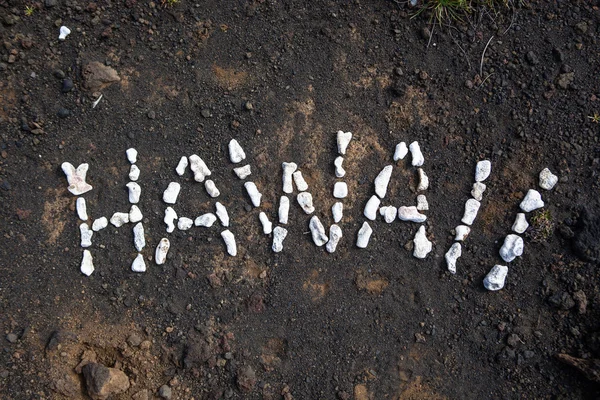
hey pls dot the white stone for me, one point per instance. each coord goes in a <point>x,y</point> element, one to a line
<point>279,235</point>
<point>477,191</point>
<point>135,214</point>
<point>382,180</point>
<point>135,192</point>
<point>401,151</point>
<point>86,235</point>
<point>266,224</point>
<point>417,156</point>
<point>87,263</point>
<point>76,178</point>
<point>63,33</point>
<point>364,235</point>
<point>132,155</point>
<point>170,217</point>
<point>422,204</point>
<point>138,264</point>
<point>184,223</point>
<point>532,201</point>
<point>81,209</point>
<point>337,211</point>
<point>119,218</point>
<point>411,214</point>
<point>222,214</point>
<point>340,190</point>
<point>162,249</point>
<point>471,209</point>
<point>211,188</point>
<point>482,170</point>
<point>243,172</point>
<point>284,209</point>
<point>388,213</point>
<point>423,180</point>
<point>520,224</point>
<point>236,153</point>
<point>494,280</point>
<point>229,240</point>
<point>461,232</point>
<point>205,220</point>
<point>99,224</point>
<point>422,245</point>
<point>253,192</point>
<point>171,192</point>
<point>199,168</point>
<point>299,181</point>
<point>343,139</point>
<point>139,241</point>
<point>339,170</point>
<point>288,170</point>
<point>335,234</point>
<point>511,248</point>
<point>547,179</point>
<point>306,202</point>
<point>452,255</point>
<point>134,173</point>
<point>181,166</point>
<point>371,208</point>
<point>317,231</point>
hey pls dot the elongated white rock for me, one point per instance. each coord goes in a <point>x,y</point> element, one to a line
<point>99,224</point>
<point>532,201</point>
<point>170,217</point>
<point>388,213</point>
<point>138,265</point>
<point>511,248</point>
<point>371,208</point>
<point>343,139</point>
<point>461,232</point>
<point>135,214</point>
<point>401,151</point>
<point>63,32</point>
<point>422,204</point>
<point>139,240</point>
<point>471,209</point>
<point>86,235</point>
<point>299,181</point>
<point>306,202</point>
<point>211,188</point>
<point>243,172</point>
<point>199,168</point>
<point>222,214</point>
<point>119,218</point>
<point>337,211</point>
<point>411,214</point>
<point>482,170</point>
<point>335,234</point>
<point>184,223</point>
<point>135,192</point>
<point>520,224</point>
<point>452,255</point>
<point>162,249</point>
<point>317,231</point>
<point>171,192</point>
<point>288,170</point>
<point>284,209</point>
<point>266,224</point>
<point>417,156</point>
<point>547,179</point>
<point>229,240</point>
<point>382,180</point>
<point>494,280</point>
<point>81,209</point>
<point>205,220</point>
<point>423,180</point>
<point>236,153</point>
<point>279,235</point>
<point>182,165</point>
<point>253,192</point>
<point>364,234</point>
<point>477,191</point>
<point>87,263</point>
<point>132,155</point>
<point>134,172</point>
<point>422,245</point>
<point>76,178</point>
<point>339,170</point>
<point>340,190</point>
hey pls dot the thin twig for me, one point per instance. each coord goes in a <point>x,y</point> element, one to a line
<point>483,81</point>
<point>512,19</point>
<point>431,34</point>
<point>461,49</point>
<point>483,55</point>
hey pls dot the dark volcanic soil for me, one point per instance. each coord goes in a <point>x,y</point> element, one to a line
<point>282,77</point>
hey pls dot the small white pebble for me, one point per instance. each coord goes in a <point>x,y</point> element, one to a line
<point>411,214</point>
<point>205,220</point>
<point>343,139</point>
<point>482,170</point>
<point>243,172</point>
<point>181,166</point>
<point>547,179</point>
<point>170,217</point>
<point>132,155</point>
<point>417,156</point>
<point>511,248</point>
<point>199,168</point>
<point>229,240</point>
<point>211,188</point>
<point>451,256</point>
<point>461,232</point>
<point>382,180</point>
<point>279,235</point>
<point>99,224</point>
<point>306,202</point>
<point>317,231</point>
<point>337,211</point>
<point>135,214</point>
<point>388,213</point>
<point>63,32</point>
<point>371,208</point>
<point>339,170</point>
<point>138,265</point>
<point>135,192</point>
<point>171,192</point>
<point>364,235</point>
<point>423,180</point>
<point>236,153</point>
<point>477,191</point>
<point>299,181</point>
<point>266,224</point>
<point>134,173</point>
<point>422,204</point>
<point>422,245</point>
<point>520,224</point>
<point>288,170</point>
<point>253,192</point>
<point>221,212</point>
<point>86,235</point>
<point>532,201</point>
<point>119,218</point>
<point>401,151</point>
<point>335,234</point>
<point>284,209</point>
<point>87,263</point>
<point>494,280</point>
<point>471,209</point>
<point>160,255</point>
<point>139,241</point>
<point>184,223</point>
<point>76,178</point>
<point>81,209</point>
<point>340,190</point>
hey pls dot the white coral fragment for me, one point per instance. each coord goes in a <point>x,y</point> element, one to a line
<point>532,201</point>
<point>182,165</point>
<point>477,191</point>
<point>417,156</point>
<point>199,168</point>
<point>170,217</point>
<point>279,235</point>
<point>171,192</point>
<point>423,180</point>
<point>211,188</point>
<point>87,263</point>
<point>340,190</point>
<point>388,213</point>
<point>305,201</point>
<point>266,224</point>
<point>162,249</point>
<point>236,153</point>
<point>138,264</point>
<point>520,224</point>
<point>299,181</point>
<point>205,220</point>
<point>382,180</point>
<point>243,172</point>
<point>139,241</point>
<point>364,235</point>
<point>461,232</point>
<point>471,209</point>
<point>422,204</point>
<point>135,214</point>
<point>81,209</point>
<point>452,255</point>
<point>284,209</point>
<point>99,224</point>
<point>339,170</point>
<point>221,212</point>
<point>288,170</point>
<point>337,211</point>
<point>371,208</point>
<point>317,231</point>
<point>494,280</point>
<point>343,139</point>
<point>482,170</point>
<point>134,172</point>
<point>422,245</point>
<point>335,234</point>
<point>184,223</point>
<point>253,192</point>
<point>401,151</point>
<point>229,240</point>
<point>511,248</point>
<point>131,155</point>
<point>547,179</point>
<point>63,32</point>
<point>119,219</point>
<point>86,235</point>
<point>411,214</point>
<point>135,192</point>
<point>76,178</point>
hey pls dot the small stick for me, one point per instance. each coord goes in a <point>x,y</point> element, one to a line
<point>483,55</point>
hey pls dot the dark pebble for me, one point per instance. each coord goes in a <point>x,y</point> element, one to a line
<point>50,3</point>
<point>205,113</point>
<point>12,338</point>
<point>63,112</point>
<point>5,186</point>
<point>151,114</point>
<point>3,67</point>
<point>59,74</point>
<point>67,85</point>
